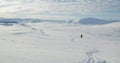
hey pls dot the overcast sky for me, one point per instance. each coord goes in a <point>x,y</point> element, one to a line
<point>60,9</point>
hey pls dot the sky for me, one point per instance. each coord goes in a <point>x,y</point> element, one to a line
<point>60,9</point>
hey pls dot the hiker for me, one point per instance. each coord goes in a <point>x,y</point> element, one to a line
<point>81,36</point>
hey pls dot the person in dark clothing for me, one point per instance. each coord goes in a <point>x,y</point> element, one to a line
<point>81,36</point>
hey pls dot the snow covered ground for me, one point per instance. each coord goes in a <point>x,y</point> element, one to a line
<point>60,43</point>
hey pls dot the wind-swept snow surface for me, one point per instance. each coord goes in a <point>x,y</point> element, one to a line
<point>59,43</point>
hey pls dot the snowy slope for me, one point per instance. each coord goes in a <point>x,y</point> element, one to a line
<point>59,43</point>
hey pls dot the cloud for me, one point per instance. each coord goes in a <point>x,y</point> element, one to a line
<point>84,6</point>
<point>13,6</point>
<point>57,6</point>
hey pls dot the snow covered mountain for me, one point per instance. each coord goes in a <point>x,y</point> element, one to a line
<point>25,20</point>
<point>95,21</point>
<point>57,42</point>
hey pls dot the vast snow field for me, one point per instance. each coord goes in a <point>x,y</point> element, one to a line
<point>50,42</point>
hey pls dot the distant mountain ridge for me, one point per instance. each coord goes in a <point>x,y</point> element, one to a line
<point>94,21</point>
<point>85,21</point>
<point>17,20</point>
